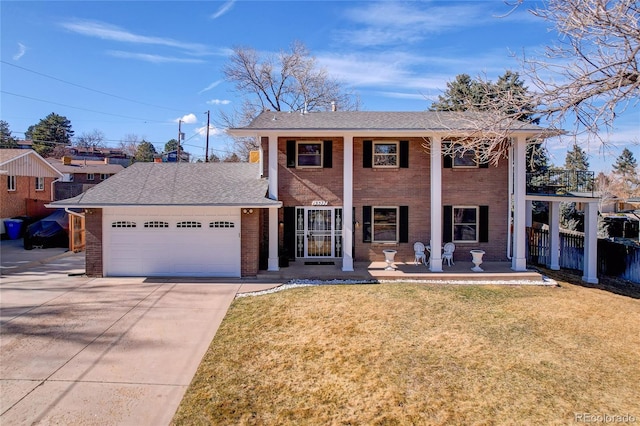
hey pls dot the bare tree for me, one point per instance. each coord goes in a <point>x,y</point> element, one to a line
<point>590,77</point>
<point>288,81</point>
<point>91,140</point>
<point>592,74</point>
<point>129,144</point>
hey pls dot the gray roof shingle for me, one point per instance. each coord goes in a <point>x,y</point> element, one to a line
<point>176,184</point>
<point>374,120</point>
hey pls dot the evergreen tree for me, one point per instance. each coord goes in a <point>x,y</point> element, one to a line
<point>171,145</point>
<point>145,152</point>
<point>625,170</point>
<point>6,140</point>
<point>576,159</point>
<point>53,130</point>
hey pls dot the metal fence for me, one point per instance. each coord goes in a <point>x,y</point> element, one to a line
<point>619,259</point>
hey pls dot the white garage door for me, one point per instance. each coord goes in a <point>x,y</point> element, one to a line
<point>196,242</point>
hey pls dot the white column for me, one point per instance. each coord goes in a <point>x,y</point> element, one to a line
<point>554,235</point>
<point>529,210</point>
<point>519,260</point>
<point>435,263</point>
<point>347,207</point>
<point>590,267</point>
<point>273,264</point>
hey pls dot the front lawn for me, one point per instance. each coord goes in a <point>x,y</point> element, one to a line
<point>421,354</point>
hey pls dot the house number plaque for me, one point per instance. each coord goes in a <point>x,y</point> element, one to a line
<point>319,203</point>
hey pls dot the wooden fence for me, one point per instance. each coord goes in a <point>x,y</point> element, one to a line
<point>615,258</point>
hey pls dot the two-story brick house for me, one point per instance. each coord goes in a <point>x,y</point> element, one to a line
<point>354,183</point>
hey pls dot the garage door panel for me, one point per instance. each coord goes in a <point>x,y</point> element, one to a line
<point>173,251</point>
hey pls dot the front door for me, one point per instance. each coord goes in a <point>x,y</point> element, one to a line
<point>318,232</point>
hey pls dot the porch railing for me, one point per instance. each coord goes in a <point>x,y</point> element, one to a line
<point>561,182</point>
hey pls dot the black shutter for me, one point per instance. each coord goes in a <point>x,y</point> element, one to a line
<point>447,224</point>
<point>353,235</point>
<point>404,154</point>
<point>289,232</point>
<point>483,224</point>
<point>404,224</point>
<point>447,160</point>
<point>291,153</point>
<point>327,154</point>
<point>366,224</point>
<point>367,154</point>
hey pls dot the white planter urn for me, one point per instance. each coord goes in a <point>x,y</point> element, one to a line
<point>389,256</point>
<point>476,258</point>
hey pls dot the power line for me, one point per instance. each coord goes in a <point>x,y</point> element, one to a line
<point>81,109</point>
<point>88,88</point>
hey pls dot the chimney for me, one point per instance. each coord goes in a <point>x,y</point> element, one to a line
<point>66,160</point>
<point>334,108</point>
<point>107,160</point>
<point>157,159</point>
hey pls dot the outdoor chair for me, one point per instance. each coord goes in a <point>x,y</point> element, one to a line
<point>447,256</point>
<point>421,257</point>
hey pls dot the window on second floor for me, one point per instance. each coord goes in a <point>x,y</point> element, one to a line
<point>104,176</point>
<point>385,154</point>
<point>91,176</point>
<point>309,154</point>
<point>465,159</point>
<point>39,184</point>
<point>11,183</point>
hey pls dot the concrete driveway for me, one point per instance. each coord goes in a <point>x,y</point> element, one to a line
<point>108,351</point>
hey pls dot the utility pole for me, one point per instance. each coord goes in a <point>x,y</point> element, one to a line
<point>179,136</point>
<point>206,151</point>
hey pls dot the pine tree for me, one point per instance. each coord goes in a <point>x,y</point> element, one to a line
<point>576,159</point>
<point>145,152</point>
<point>625,163</point>
<point>53,130</point>
<point>6,140</point>
<point>625,170</point>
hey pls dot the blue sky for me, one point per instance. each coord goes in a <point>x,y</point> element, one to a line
<point>137,67</point>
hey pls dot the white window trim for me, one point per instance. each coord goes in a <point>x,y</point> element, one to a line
<point>298,143</point>
<point>104,176</point>
<point>91,176</point>
<point>39,183</point>
<point>11,183</point>
<point>373,224</point>
<point>454,223</point>
<point>397,154</point>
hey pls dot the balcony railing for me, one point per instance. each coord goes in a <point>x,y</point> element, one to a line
<point>561,182</point>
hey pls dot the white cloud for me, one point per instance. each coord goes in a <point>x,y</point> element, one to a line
<point>213,131</point>
<point>223,9</point>
<point>211,86</point>
<point>391,23</point>
<point>111,32</point>
<point>188,119</point>
<point>22,49</point>
<point>218,102</point>
<point>156,59</point>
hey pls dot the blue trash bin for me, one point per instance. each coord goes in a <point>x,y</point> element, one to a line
<point>13,226</point>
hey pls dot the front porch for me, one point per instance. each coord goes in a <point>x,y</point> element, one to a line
<point>459,273</point>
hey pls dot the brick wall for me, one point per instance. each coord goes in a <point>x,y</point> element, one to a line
<point>395,187</point>
<point>475,187</point>
<point>93,236</point>
<point>25,200</point>
<point>250,243</point>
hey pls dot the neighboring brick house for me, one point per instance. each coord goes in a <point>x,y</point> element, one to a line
<point>354,183</point>
<point>80,175</point>
<point>26,186</point>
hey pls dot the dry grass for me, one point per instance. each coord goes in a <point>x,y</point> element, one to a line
<point>401,354</point>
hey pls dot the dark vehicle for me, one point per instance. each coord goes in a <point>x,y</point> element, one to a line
<point>52,231</point>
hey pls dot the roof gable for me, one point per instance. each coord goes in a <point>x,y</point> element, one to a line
<point>26,162</point>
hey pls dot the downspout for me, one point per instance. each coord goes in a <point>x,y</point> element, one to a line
<point>53,189</point>
<point>510,203</point>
